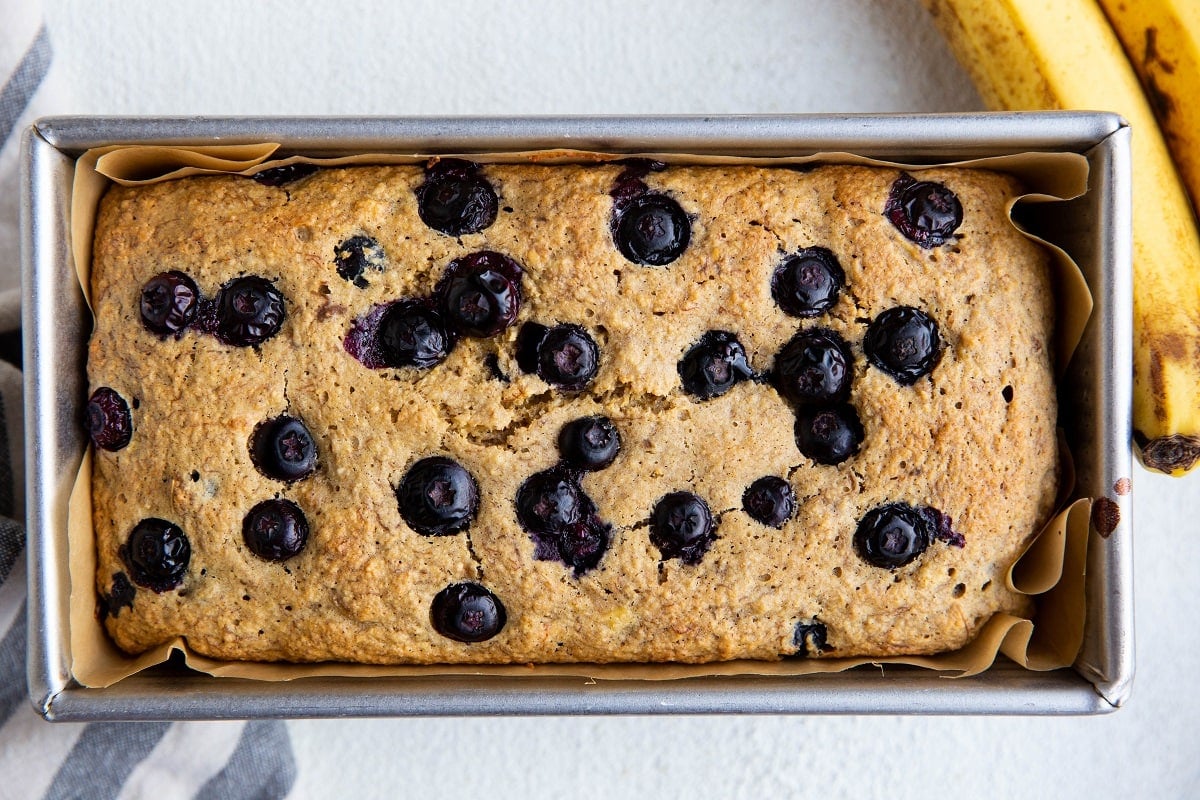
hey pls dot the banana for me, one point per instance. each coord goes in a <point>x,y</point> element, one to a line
<point>1048,54</point>
<point>1162,40</point>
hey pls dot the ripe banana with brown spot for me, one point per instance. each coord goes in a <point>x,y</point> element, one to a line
<point>1048,54</point>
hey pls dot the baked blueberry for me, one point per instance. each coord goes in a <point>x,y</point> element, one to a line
<point>283,449</point>
<point>549,501</point>
<point>713,365</point>
<point>455,199</point>
<point>815,366</point>
<point>168,303</point>
<point>828,434</point>
<point>810,638</point>
<point>250,310</point>
<point>682,527</point>
<point>903,342</point>
<point>769,500</point>
<point>275,530</point>
<point>925,212</point>
<point>582,544</point>
<point>807,283</point>
<point>481,293</point>
<point>651,229</point>
<point>529,343</point>
<point>157,554</point>
<point>279,176</point>
<point>589,443</point>
<point>567,357</point>
<point>411,334</point>
<point>108,421</point>
<point>438,497</point>
<point>121,595</point>
<point>355,256</point>
<point>467,612</point>
<point>892,535</point>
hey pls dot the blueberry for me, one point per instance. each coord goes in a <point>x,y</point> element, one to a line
<point>582,544</point>
<point>529,342</point>
<point>481,293</point>
<point>925,212</point>
<point>807,283</point>
<point>549,501</point>
<point>355,256</point>
<point>455,199</point>
<point>682,527</point>
<point>903,342</point>
<point>467,612</point>
<point>283,449</point>
<point>279,176</point>
<point>120,596</point>
<point>815,366</point>
<point>651,229</point>
<point>275,530</point>
<point>892,535</point>
<point>411,334</point>
<point>157,554</point>
<point>589,443</point>
<point>810,638</point>
<point>108,420</point>
<point>567,357</point>
<point>250,310</point>
<point>769,500</point>
<point>438,497</point>
<point>828,434</point>
<point>713,365</point>
<point>168,303</point>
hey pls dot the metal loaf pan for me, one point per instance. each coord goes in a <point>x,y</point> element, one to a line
<point>1095,412</point>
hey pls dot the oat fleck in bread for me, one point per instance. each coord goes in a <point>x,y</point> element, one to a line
<point>524,413</point>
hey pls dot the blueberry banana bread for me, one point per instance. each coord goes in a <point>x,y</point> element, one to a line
<point>518,413</point>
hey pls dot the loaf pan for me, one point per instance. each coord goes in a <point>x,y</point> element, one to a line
<point>1094,395</point>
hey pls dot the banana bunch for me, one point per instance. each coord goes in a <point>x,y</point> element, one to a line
<point>1050,54</point>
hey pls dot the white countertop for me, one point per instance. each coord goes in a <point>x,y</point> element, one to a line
<point>641,56</point>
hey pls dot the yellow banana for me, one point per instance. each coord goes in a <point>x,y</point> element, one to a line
<point>1162,40</point>
<point>1045,54</point>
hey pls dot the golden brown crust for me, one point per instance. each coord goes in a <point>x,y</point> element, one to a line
<point>361,589</point>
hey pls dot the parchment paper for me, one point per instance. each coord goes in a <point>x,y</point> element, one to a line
<point>1051,569</point>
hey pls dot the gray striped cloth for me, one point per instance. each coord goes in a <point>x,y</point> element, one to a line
<point>160,760</point>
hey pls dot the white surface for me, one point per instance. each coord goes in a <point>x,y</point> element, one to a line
<point>543,56</point>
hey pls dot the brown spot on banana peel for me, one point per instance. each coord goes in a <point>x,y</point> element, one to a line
<point>1174,455</point>
<point>1163,348</point>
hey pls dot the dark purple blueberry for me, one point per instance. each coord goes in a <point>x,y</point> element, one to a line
<point>815,366</point>
<point>411,334</point>
<point>713,365</point>
<point>481,293</point>
<point>925,212</point>
<point>567,357</point>
<point>629,183</point>
<point>437,497</point>
<point>275,530</point>
<point>942,527</point>
<point>651,229</point>
<point>807,283</point>
<point>169,302</point>
<point>157,554</point>
<point>770,500</point>
<point>492,362</point>
<point>279,176</point>
<point>467,612</point>
<point>120,596</point>
<point>810,638</point>
<point>828,434</point>
<point>108,420</point>
<point>250,310</point>
<point>582,544</point>
<point>682,527</point>
<point>903,342</point>
<point>455,199</point>
<point>589,443</point>
<point>355,256</point>
<point>892,535</point>
<point>549,501</point>
<point>283,449</point>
